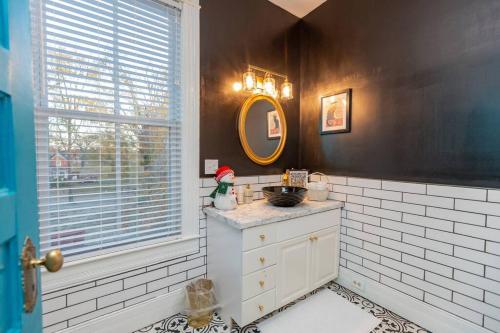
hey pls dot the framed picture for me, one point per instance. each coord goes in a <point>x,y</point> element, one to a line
<point>336,112</point>
<point>297,178</point>
<point>273,125</point>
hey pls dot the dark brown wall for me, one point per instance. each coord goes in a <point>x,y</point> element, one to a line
<point>426,89</point>
<point>233,34</point>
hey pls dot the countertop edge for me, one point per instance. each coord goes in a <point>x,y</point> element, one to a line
<point>219,215</point>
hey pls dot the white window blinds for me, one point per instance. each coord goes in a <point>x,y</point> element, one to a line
<point>108,123</point>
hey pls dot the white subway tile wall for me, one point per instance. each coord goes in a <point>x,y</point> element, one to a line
<point>437,244</point>
<point>76,304</point>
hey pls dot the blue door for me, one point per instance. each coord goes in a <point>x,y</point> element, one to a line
<point>18,201</point>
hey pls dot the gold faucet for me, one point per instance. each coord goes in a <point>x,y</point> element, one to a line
<point>284,179</point>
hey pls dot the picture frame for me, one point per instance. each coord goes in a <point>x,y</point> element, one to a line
<point>335,115</point>
<point>298,178</point>
<point>273,125</point>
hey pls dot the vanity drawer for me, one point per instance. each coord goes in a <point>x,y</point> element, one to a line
<point>259,236</point>
<point>305,225</point>
<point>258,282</point>
<point>258,306</point>
<point>258,259</point>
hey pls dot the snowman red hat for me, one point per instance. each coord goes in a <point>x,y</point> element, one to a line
<point>222,171</point>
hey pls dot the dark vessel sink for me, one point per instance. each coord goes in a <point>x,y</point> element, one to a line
<point>284,196</point>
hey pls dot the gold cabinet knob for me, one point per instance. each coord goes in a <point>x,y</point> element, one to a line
<point>261,283</point>
<point>261,307</point>
<point>53,261</point>
<point>262,237</point>
<point>262,260</point>
<point>311,238</point>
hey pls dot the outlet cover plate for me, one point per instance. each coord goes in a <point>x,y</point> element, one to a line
<point>357,284</point>
<point>211,166</point>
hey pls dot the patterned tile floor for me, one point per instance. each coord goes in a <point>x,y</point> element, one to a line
<point>391,322</point>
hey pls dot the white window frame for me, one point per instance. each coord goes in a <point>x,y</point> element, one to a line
<point>93,268</point>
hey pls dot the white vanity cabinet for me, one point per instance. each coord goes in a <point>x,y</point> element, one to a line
<point>262,257</point>
<point>306,263</point>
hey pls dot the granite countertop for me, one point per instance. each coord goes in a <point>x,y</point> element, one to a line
<point>261,212</point>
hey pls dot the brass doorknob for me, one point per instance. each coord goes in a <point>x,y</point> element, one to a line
<point>53,261</point>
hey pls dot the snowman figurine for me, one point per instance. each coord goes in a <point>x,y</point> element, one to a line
<point>224,195</point>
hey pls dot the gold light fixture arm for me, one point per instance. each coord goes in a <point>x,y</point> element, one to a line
<point>264,71</point>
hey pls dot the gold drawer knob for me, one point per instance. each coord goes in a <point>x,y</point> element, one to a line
<point>262,260</point>
<point>261,282</point>
<point>262,237</point>
<point>261,307</point>
<point>313,238</point>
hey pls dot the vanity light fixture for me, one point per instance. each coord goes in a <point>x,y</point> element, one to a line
<point>269,85</point>
<point>249,82</point>
<point>237,86</point>
<point>260,86</point>
<point>258,80</point>
<point>287,90</point>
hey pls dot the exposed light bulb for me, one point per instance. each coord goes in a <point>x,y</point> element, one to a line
<point>237,86</point>
<point>286,90</point>
<point>260,84</point>
<point>269,85</point>
<point>249,80</point>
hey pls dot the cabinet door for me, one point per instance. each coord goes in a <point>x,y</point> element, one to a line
<point>325,256</point>
<point>293,270</point>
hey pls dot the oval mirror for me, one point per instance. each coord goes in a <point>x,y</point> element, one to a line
<point>262,129</point>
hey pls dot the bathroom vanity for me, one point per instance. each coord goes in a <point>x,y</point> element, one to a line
<point>262,257</point>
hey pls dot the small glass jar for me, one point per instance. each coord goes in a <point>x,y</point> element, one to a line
<point>248,195</point>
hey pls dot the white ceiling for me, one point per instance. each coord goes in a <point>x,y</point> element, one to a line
<point>299,8</point>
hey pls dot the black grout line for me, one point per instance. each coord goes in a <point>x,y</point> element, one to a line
<point>71,287</point>
<point>417,225</point>
<point>424,293</point>
<point>411,244</point>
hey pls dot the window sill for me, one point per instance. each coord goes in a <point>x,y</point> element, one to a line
<point>90,269</point>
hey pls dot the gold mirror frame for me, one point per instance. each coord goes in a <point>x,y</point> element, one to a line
<point>242,130</point>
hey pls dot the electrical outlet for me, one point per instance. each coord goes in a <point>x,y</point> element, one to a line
<point>356,284</point>
<point>211,166</point>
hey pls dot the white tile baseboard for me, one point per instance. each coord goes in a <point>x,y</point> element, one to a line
<point>134,317</point>
<point>427,316</point>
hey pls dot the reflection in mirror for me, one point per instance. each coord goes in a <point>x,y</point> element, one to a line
<point>263,128</point>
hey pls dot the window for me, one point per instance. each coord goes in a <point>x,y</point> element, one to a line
<point>110,124</point>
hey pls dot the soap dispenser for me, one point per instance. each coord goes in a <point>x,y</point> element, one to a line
<point>248,195</point>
